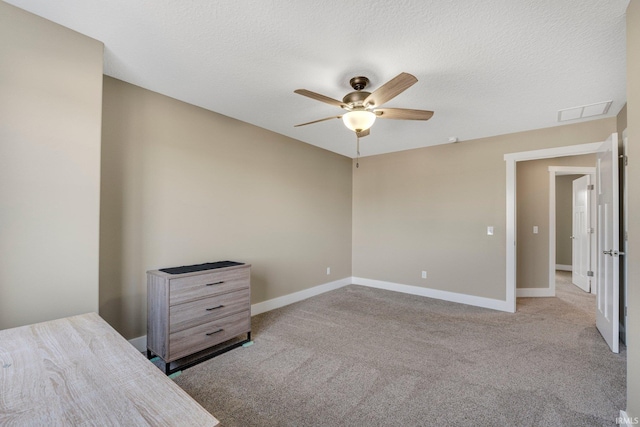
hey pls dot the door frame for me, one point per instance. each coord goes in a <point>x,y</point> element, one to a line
<point>511,159</point>
<point>555,171</point>
<point>624,241</point>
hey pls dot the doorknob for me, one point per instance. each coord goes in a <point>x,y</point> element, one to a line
<point>616,253</point>
<point>609,252</point>
<point>572,237</point>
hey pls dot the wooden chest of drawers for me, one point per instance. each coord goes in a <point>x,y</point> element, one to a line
<point>191,312</point>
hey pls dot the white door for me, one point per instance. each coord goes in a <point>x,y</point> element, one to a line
<point>608,250</point>
<point>581,247</point>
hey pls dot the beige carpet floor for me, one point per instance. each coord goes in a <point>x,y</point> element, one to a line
<point>367,357</point>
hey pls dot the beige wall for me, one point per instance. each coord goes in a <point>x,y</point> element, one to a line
<point>532,180</point>
<point>428,209</point>
<point>182,185</point>
<point>50,118</point>
<point>564,218</point>
<point>633,174</point>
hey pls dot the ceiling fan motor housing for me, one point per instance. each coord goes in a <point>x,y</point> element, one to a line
<point>355,99</point>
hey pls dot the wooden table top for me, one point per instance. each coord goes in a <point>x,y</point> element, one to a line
<point>80,371</point>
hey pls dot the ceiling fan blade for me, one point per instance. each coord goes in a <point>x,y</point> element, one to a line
<point>321,98</point>
<point>390,89</point>
<point>403,114</point>
<point>317,121</point>
<point>363,133</point>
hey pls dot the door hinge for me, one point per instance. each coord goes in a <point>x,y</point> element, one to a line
<point>590,273</point>
<point>625,311</point>
<point>591,230</point>
<point>626,160</point>
<point>590,187</point>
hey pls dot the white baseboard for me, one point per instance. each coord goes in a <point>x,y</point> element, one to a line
<point>563,267</point>
<point>274,303</point>
<point>493,304</point>
<point>534,292</point>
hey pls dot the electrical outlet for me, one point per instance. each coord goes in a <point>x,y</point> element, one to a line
<point>328,271</point>
<point>535,229</point>
<point>424,274</point>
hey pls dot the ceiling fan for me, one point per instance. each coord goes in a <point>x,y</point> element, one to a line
<point>362,107</point>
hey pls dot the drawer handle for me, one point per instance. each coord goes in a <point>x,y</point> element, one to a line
<point>216,283</point>
<point>215,308</point>
<point>214,332</point>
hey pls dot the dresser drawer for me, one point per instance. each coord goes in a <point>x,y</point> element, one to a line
<point>190,314</point>
<point>188,341</point>
<point>190,288</point>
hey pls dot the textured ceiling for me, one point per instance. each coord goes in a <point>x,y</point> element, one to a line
<point>485,68</point>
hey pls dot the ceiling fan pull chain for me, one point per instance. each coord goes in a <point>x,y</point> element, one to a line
<point>357,150</point>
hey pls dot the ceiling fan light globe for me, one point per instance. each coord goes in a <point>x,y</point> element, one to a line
<point>359,120</point>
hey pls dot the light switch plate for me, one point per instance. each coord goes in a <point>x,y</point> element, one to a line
<point>490,230</point>
<point>535,229</point>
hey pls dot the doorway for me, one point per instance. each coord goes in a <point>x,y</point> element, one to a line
<point>511,231</point>
<point>536,220</point>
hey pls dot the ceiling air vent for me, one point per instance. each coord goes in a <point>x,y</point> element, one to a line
<point>584,111</point>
